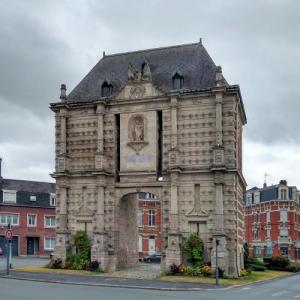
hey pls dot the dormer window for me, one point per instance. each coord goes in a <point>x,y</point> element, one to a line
<point>106,89</point>
<point>52,200</point>
<point>9,196</point>
<point>177,80</point>
<point>283,194</point>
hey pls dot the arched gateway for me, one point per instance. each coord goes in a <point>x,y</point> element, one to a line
<point>183,144</point>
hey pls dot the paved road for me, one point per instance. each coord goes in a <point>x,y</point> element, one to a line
<point>287,288</point>
<point>23,261</point>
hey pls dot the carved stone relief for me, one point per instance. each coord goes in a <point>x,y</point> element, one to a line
<point>137,133</point>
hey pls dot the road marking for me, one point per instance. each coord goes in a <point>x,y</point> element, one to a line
<point>279,293</point>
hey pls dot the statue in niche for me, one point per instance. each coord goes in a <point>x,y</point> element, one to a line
<point>136,133</point>
<point>138,130</point>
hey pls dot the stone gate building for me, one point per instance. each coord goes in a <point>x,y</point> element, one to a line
<point>162,121</point>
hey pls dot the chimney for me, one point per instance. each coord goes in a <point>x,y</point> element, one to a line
<point>0,167</point>
<point>265,184</point>
<point>63,92</point>
<point>283,182</point>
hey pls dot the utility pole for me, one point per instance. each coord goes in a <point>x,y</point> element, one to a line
<point>217,266</point>
<point>8,247</point>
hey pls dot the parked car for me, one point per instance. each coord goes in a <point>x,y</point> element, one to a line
<point>155,257</point>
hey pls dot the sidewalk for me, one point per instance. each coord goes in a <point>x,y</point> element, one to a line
<point>108,281</point>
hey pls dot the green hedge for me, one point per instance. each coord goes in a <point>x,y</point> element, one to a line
<point>279,263</point>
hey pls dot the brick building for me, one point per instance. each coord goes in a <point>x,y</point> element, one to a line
<point>29,207</point>
<point>272,219</point>
<point>149,222</point>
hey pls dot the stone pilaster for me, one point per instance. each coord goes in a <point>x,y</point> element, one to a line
<point>62,158</point>
<point>62,232</point>
<point>219,149</point>
<point>173,153</point>
<point>222,253</point>
<point>99,153</point>
<point>99,249</point>
<point>173,251</point>
<point>218,233</point>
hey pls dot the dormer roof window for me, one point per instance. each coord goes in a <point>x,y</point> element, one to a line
<point>106,89</point>
<point>177,81</point>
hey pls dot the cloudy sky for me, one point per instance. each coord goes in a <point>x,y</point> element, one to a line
<point>45,43</point>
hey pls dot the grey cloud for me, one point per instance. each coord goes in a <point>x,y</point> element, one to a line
<point>44,43</point>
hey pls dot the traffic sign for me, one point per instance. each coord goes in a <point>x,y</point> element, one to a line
<point>8,234</point>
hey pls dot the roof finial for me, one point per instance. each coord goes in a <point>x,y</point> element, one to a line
<point>103,54</point>
<point>219,76</point>
<point>63,92</point>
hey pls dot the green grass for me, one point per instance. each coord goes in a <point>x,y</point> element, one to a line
<point>43,269</point>
<point>254,277</point>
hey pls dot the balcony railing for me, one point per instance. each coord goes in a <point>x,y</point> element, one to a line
<point>284,240</point>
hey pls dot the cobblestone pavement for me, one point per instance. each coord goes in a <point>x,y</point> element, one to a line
<point>141,271</point>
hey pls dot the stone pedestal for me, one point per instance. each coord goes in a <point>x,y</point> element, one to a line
<point>222,254</point>
<point>173,252</point>
<point>62,245</point>
<point>99,250</point>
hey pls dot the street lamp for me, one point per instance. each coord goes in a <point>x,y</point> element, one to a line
<point>217,267</point>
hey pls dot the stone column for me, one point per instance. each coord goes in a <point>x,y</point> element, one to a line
<point>99,153</point>
<point>63,131</point>
<point>219,233</point>
<point>62,163</point>
<point>219,91</point>
<point>219,149</point>
<point>219,127</point>
<point>62,232</point>
<point>99,251</point>
<point>173,251</point>
<point>173,153</point>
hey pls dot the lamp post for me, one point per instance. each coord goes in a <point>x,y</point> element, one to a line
<point>217,266</point>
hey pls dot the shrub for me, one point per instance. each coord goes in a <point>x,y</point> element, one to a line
<point>243,273</point>
<point>256,264</point>
<point>193,248</point>
<point>246,254</point>
<point>93,266</point>
<point>183,268</point>
<point>174,269</point>
<point>55,263</point>
<point>194,271</point>
<point>77,261</point>
<point>293,267</point>
<point>82,243</point>
<point>277,263</point>
<point>206,270</point>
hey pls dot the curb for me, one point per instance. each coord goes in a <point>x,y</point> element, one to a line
<point>140,287</point>
<point>263,281</point>
<point>144,287</point>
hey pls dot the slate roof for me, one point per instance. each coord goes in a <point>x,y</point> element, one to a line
<point>27,186</point>
<point>191,60</point>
